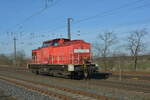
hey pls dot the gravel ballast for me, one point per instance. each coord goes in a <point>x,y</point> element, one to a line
<point>5,96</point>
<point>21,93</point>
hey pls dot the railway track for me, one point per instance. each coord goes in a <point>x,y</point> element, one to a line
<point>133,87</point>
<point>123,85</point>
<point>53,91</point>
<point>130,75</point>
<point>125,75</point>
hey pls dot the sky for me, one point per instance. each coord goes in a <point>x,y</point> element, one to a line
<point>34,21</point>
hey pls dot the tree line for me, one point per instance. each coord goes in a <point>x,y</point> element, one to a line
<point>21,59</point>
<point>129,50</point>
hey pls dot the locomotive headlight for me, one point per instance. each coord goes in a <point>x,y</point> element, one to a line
<point>70,67</point>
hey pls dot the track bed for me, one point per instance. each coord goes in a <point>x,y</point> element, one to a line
<point>119,90</point>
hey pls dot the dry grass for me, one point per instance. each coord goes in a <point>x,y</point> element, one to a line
<point>126,63</point>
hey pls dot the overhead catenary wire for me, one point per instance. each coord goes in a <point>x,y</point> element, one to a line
<point>103,14</point>
<point>137,21</point>
<point>19,25</point>
<point>57,28</point>
<point>109,12</point>
<point>39,12</point>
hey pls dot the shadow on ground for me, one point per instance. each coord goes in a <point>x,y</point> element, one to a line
<point>101,75</point>
<point>96,76</point>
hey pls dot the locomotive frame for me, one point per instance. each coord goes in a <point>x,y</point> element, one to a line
<point>64,70</point>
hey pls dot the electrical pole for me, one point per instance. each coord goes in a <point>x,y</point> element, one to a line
<point>15,57</point>
<point>69,29</point>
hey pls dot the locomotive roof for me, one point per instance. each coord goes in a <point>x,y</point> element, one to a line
<point>56,40</point>
<point>65,40</point>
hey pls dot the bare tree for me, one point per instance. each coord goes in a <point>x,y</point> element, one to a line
<point>104,42</point>
<point>136,44</point>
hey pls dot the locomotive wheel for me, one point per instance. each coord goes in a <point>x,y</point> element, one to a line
<point>75,75</point>
<point>78,75</point>
<point>37,72</point>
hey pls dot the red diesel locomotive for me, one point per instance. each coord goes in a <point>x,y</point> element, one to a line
<point>64,58</point>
